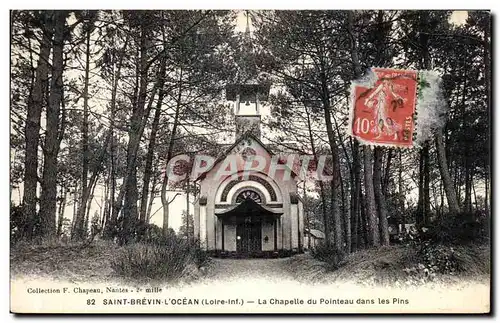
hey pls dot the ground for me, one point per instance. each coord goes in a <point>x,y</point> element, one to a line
<point>272,269</point>
<point>367,276</point>
<point>380,266</point>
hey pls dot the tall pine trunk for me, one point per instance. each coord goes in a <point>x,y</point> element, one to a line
<point>164,184</point>
<point>326,218</point>
<point>152,144</point>
<point>370,206</point>
<point>335,182</point>
<point>402,194</point>
<point>438,137</point>
<point>32,128</point>
<point>136,128</point>
<point>451,195</point>
<point>114,205</point>
<point>80,231</point>
<point>188,187</point>
<point>379,196</point>
<point>62,206</point>
<point>51,149</point>
<point>355,195</point>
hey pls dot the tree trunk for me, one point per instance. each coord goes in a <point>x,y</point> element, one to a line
<point>371,207</point>
<point>80,231</point>
<point>164,184</point>
<point>129,215</point>
<point>62,206</point>
<point>346,220</point>
<point>137,123</point>
<point>89,204</point>
<point>363,223</point>
<point>335,182</point>
<point>419,217</point>
<point>326,219</point>
<point>427,199</point>
<point>475,196</point>
<point>187,206</point>
<point>32,130</point>
<point>468,185</point>
<point>441,201</point>
<point>371,210</point>
<point>75,208</point>
<point>387,172</point>
<point>106,202</point>
<point>114,206</point>
<point>379,197</point>
<point>445,175</point>
<point>355,194</point>
<point>487,75</point>
<point>438,137</point>
<point>51,149</point>
<point>166,214</point>
<point>401,193</point>
<point>151,199</point>
<point>152,144</point>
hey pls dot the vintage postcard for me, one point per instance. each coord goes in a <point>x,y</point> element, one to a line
<point>250,161</point>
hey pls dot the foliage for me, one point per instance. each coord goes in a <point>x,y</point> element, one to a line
<point>187,226</point>
<point>435,259</point>
<point>451,246</point>
<point>461,229</point>
<point>328,253</point>
<point>170,258</point>
<point>16,222</point>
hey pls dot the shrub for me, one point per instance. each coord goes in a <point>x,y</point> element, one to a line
<point>451,245</point>
<point>328,253</point>
<point>170,260</point>
<point>438,258</point>
<point>445,259</point>
<point>16,222</point>
<point>459,229</point>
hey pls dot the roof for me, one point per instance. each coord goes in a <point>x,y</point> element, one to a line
<point>246,135</point>
<point>221,157</point>
<point>315,233</point>
<point>249,208</point>
<point>232,90</point>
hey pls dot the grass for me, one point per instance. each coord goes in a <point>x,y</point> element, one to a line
<point>63,261</point>
<point>389,265</point>
<point>104,260</point>
<point>175,260</point>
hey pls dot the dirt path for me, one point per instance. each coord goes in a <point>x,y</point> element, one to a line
<point>244,269</point>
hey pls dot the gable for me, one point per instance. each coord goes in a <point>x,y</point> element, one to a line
<point>235,157</point>
<point>243,148</point>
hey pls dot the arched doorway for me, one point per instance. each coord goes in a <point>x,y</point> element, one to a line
<point>249,215</point>
<point>249,229</point>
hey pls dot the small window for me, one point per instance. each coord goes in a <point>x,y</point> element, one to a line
<point>248,195</point>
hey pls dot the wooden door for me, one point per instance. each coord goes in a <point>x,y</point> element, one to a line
<point>249,237</point>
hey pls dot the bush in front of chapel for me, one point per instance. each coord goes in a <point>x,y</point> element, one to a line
<point>170,258</point>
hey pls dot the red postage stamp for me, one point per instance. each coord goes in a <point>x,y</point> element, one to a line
<point>383,112</point>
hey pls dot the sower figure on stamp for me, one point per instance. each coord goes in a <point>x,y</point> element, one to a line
<point>377,100</point>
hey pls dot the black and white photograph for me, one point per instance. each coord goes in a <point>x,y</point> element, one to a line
<point>244,161</point>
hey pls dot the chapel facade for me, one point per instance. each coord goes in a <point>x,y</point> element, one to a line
<point>241,212</point>
<point>246,213</point>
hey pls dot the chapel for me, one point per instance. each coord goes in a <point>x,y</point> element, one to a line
<point>248,213</point>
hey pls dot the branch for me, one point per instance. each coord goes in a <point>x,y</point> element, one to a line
<point>173,198</point>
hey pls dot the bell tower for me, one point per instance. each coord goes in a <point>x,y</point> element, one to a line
<point>248,90</point>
